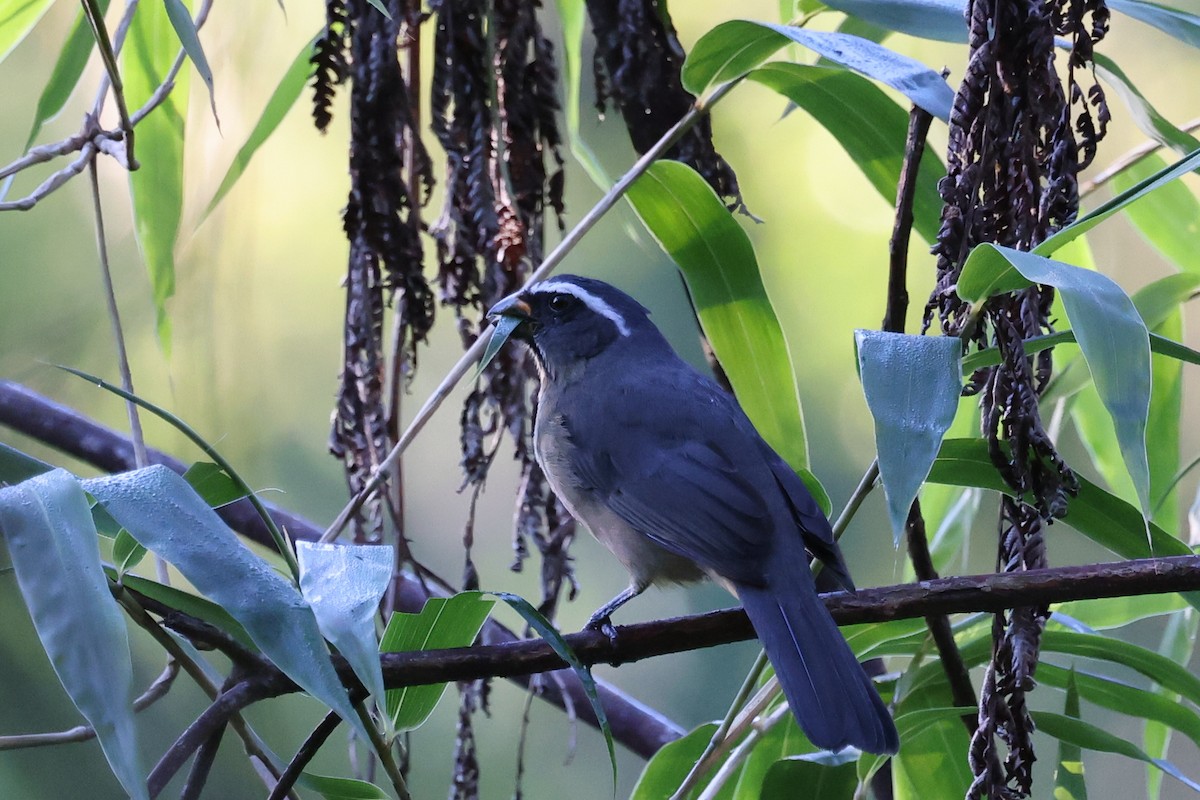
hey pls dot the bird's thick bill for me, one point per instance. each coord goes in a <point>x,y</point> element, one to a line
<point>507,316</point>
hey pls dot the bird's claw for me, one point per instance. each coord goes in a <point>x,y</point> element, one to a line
<point>605,626</point>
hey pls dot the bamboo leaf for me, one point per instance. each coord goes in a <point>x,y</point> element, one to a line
<point>72,60</point>
<point>47,525</point>
<point>189,37</point>
<point>17,19</point>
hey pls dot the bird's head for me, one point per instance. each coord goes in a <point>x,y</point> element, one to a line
<point>567,321</point>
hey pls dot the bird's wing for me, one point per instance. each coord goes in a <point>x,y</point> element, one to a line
<point>687,475</point>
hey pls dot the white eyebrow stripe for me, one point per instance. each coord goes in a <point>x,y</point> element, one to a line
<point>590,300</point>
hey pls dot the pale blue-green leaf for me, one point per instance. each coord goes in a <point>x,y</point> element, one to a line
<point>1178,643</point>
<point>1090,737</point>
<point>717,260</point>
<point>47,525</point>
<point>820,781</point>
<point>67,70</point>
<point>1183,25</point>
<point>334,788</point>
<point>871,127</point>
<point>167,516</point>
<point>942,20</point>
<point>536,620</point>
<point>379,5</point>
<point>1143,113</point>
<point>17,18</point>
<point>1111,334</point>
<point>443,622</point>
<point>1069,783</point>
<point>278,105</point>
<point>213,484</point>
<point>733,48</point>
<point>1105,210</point>
<point>571,15</point>
<point>189,37</point>
<point>127,552</point>
<point>157,187</point>
<point>670,765</point>
<point>502,328</point>
<point>344,584</point>
<point>912,385</point>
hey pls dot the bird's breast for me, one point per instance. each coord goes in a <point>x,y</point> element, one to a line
<point>645,560</point>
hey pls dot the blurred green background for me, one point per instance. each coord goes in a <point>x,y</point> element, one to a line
<point>256,346</point>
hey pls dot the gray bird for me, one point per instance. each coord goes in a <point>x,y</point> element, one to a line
<point>667,471</point>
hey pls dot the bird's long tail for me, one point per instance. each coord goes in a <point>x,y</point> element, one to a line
<point>833,699</point>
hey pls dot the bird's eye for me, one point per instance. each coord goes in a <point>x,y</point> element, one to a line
<point>562,302</point>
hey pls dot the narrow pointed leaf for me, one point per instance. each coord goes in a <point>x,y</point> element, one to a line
<point>47,525</point>
<point>912,385</point>
<point>1111,334</point>
<point>16,466</point>
<point>278,106</point>
<point>1162,670</point>
<point>718,263</point>
<point>1090,737</point>
<point>1169,219</point>
<point>871,126</point>
<point>191,604</point>
<point>127,552</point>
<point>17,19</point>
<point>167,516</point>
<point>1175,22</point>
<point>536,620</point>
<point>1178,644</point>
<point>189,37</point>
<point>733,48</point>
<point>501,330</point>
<point>443,622</point>
<point>157,187</point>
<point>344,584</point>
<point>1102,212</point>
<point>571,14</point>
<point>72,60</point>
<point>1144,114</point>
<point>1068,774</point>
<point>213,484</point>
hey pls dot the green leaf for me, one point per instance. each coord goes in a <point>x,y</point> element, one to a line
<point>1090,737</point>
<point>670,765</point>
<point>167,516</point>
<point>72,60</point>
<point>15,466</point>
<point>189,37</point>
<point>783,740</point>
<point>714,253</point>
<point>443,622</point>
<point>871,127</point>
<point>17,18</point>
<point>1114,612</point>
<point>1111,334</point>
<point>343,585</point>
<point>1101,516</point>
<point>733,48</point>
<point>47,525</point>
<point>157,187</point>
<point>1155,666</point>
<point>1068,775</point>
<point>912,385</point>
<point>1117,203</point>
<point>1144,115</point>
<point>1169,219</point>
<point>332,788</point>
<point>1178,643</point>
<point>534,619</point>
<point>278,105</point>
<point>932,761</point>
<point>820,781</point>
<point>127,552</point>
<point>213,484</point>
<point>1175,22</point>
<point>188,603</point>
<point>571,14</point>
